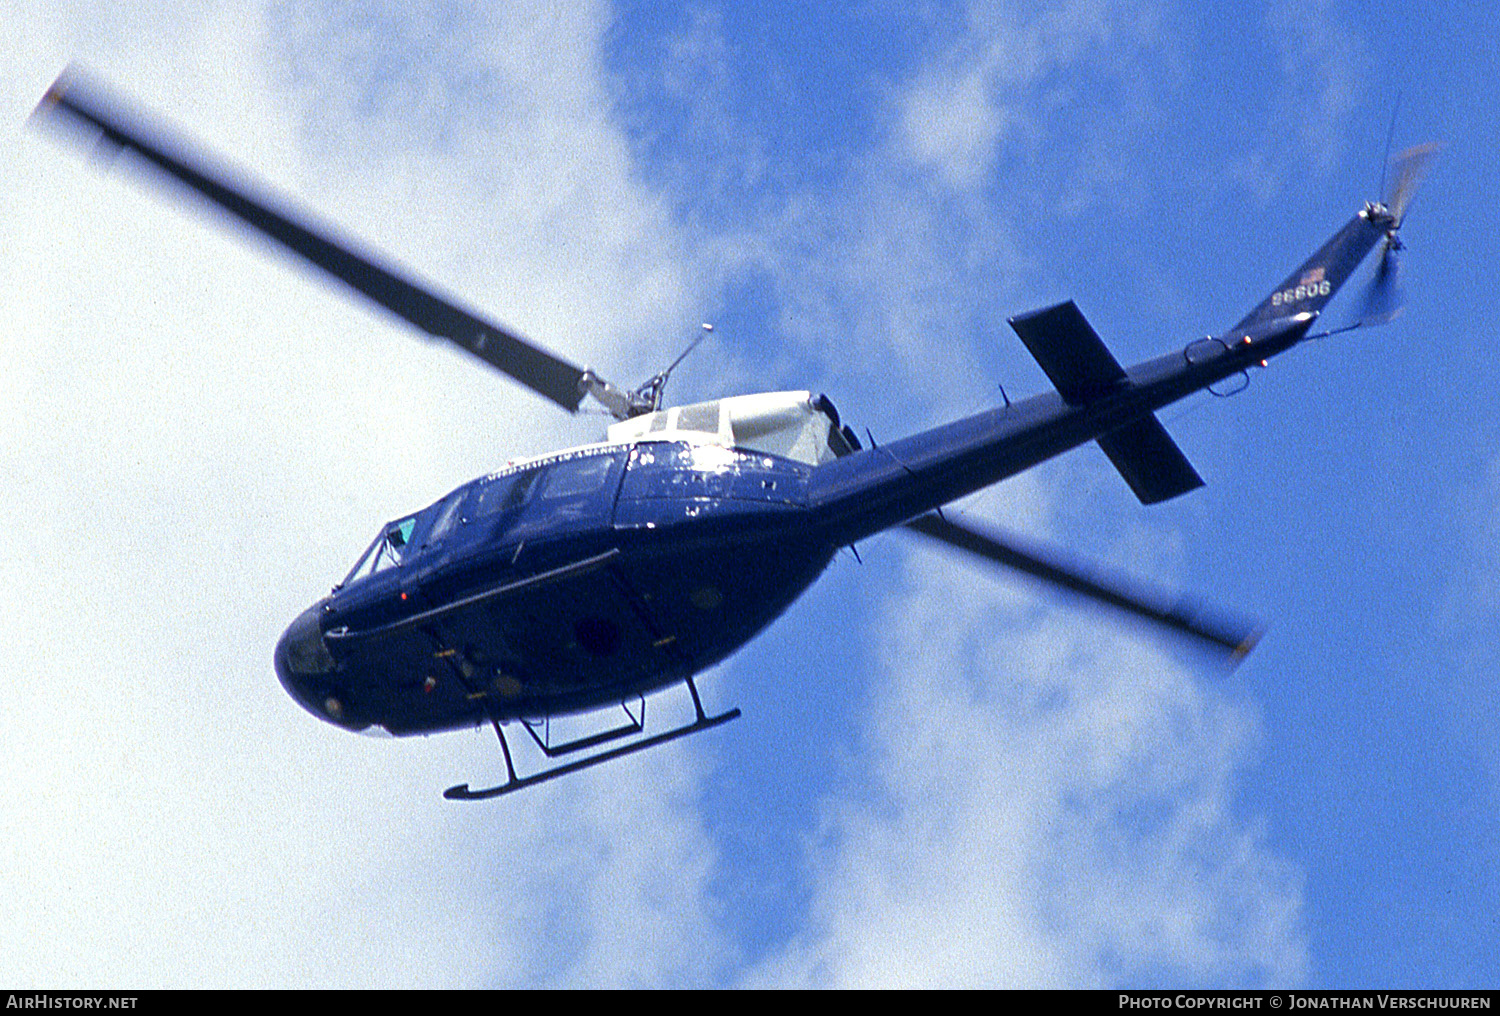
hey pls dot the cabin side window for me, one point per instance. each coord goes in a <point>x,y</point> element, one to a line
<point>506,493</point>
<point>573,477</point>
<point>703,417</point>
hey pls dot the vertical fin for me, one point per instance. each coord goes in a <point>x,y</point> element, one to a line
<point>1310,287</point>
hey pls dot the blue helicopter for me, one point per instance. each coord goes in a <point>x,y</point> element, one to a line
<point>592,577</point>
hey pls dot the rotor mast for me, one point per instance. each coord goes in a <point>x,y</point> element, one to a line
<point>624,405</point>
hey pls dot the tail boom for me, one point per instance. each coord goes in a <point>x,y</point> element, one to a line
<point>1096,399</point>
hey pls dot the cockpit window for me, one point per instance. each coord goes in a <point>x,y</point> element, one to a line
<point>398,535</point>
<point>386,551</point>
<point>447,517</point>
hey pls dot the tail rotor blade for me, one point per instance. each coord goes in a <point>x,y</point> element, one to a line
<point>1411,165</point>
<point>1237,638</point>
<point>1383,297</point>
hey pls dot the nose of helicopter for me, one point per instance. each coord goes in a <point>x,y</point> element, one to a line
<point>303,665</point>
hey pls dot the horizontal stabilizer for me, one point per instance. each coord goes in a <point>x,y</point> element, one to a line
<point>1150,461</point>
<point>1070,351</point>
<point>1083,369</point>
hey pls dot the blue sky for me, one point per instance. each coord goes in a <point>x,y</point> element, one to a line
<point>942,777</point>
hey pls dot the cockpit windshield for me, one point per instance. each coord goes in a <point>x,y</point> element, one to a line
<point>386,551</point>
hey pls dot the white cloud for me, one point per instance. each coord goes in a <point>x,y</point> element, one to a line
<point>953,123</point>
<point>996,86</point>
<point>1051,805</point>
<point>891,274</point>
<point>200,439</point>
<point>1323,71</point>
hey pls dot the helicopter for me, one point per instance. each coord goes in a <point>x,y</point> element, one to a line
<point>593,577</point>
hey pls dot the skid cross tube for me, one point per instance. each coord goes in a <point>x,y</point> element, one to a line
<point>633,725</point>
<point>702,722</point>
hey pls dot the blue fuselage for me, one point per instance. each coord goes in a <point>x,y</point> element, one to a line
<point>611,571</point>
<point>618,569</point>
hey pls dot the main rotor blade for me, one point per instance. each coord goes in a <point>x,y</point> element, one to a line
<point>539,370</point>
<point>1238,639</point>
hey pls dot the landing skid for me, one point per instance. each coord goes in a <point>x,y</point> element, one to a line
<point>514,783</point>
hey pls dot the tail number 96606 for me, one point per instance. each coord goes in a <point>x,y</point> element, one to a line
<point>1298,293</point>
